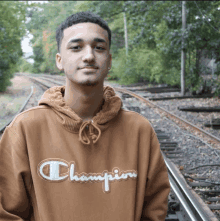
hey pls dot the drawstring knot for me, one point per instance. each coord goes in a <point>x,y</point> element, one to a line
<point>83,134</point>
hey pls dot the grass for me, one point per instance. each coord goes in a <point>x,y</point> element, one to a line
<point>113,81</point>
<point>13,98</point>
<point>9,107</point>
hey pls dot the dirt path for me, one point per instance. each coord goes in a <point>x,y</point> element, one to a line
<point>19,84</point>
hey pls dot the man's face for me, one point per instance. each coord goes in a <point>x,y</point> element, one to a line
<point>84,54</point>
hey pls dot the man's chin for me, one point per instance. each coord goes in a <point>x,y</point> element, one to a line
<point>88,83</point>
<point>91,84</point>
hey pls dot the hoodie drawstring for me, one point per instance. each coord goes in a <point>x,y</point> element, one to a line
<point>83,135</point>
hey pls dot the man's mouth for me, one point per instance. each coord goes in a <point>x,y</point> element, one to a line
<point>89,67</point>
<point>89,70</point>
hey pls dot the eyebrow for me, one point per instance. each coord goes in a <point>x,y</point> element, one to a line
<point>74,40</point>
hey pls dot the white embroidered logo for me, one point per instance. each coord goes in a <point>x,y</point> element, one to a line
<point>105,176</point>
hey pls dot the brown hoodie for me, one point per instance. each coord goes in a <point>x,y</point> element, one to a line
<point>55,167</point>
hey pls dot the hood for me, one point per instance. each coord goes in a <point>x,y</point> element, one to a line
<point>53,97</point>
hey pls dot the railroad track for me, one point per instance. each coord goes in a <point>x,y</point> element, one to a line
<point>184,203</point>
<point>21,109</point>
<point>170,149</point>
<point>172,116</point>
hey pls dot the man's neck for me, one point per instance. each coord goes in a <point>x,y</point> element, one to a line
<point>85,101</point>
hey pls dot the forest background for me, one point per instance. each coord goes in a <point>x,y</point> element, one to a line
<point>154,40</point>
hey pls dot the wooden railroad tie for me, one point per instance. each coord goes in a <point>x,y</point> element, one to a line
<point>200,109</point>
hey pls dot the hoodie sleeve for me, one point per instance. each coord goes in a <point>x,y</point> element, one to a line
<point>15,178</point>
<point>157,185</point>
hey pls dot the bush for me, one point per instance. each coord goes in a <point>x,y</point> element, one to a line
<point>5,76</point>
<point>143,65</point>
<point>12,18</point>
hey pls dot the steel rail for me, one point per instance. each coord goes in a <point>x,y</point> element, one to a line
<point>149,102</point>
<point>21,109</point>
<point>39,82</point>
<point>25,103</point>
<point>192,206</point>
<point>173,115</point>
<point>52,81</point>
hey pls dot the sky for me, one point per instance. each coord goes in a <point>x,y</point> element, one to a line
<point>26,48</point>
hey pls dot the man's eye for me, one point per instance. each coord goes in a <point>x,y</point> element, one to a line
<point>99,48</point>
<point>79,47</point>
<point>75,48</point>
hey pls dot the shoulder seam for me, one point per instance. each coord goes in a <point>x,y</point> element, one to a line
<point>32,109</point>
<point>23,112</point>
<point>136,113</point>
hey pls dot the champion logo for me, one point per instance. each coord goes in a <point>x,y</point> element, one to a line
<point>50,170</point>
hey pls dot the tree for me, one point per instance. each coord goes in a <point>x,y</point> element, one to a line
<point>43,29</point>
<point>12,17</point>
<point>154,33</point>
<point>24,65</point>
<point>158,26</point>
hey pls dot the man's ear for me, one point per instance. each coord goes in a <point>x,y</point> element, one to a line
<point>59,62</point>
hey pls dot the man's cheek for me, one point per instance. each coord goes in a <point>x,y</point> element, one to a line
<point>70,66</point>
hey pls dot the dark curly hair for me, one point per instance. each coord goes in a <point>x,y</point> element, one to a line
<point>81,17</point>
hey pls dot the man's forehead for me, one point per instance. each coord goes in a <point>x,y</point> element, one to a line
<point>83,29</point>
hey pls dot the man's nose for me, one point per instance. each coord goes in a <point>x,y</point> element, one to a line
<point>89,55</point>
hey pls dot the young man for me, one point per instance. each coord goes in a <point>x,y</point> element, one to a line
<point>79,156</point>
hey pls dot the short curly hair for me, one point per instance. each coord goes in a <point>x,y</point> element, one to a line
<point>81,17</point>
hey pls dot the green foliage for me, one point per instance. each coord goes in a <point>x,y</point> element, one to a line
<point>5,76</point>
<point>142,64</point>
<point>118,65</point>
<point>154,37</point>
<point>24,66</point>
<point>45,18</point>
<point>38,57</point>
<point>158,26</point>
<point>217,91</point>
<point>12,17</point>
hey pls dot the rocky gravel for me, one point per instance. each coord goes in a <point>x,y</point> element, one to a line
<point>195,151</point>
<point>197,118</point>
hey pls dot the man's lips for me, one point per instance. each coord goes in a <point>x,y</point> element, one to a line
<point>89,68</point>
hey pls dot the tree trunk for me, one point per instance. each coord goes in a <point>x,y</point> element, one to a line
<point>198,56</point>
